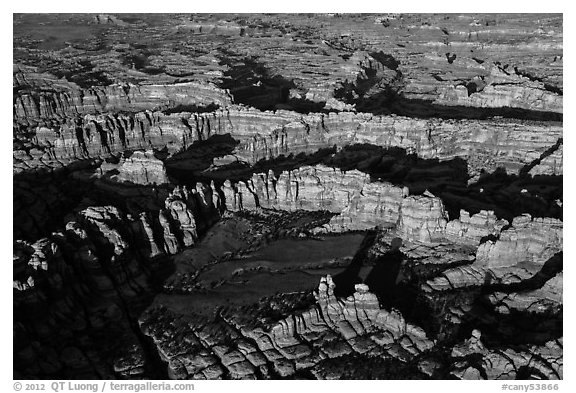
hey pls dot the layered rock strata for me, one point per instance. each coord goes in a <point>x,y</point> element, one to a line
<point>182,183</point>
<point>488,144</point>
<point>333,328</point>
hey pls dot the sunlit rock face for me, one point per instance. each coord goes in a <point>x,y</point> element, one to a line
<point>142,167</point>
<point>327,196</point>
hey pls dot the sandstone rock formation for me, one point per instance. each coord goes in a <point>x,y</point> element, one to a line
<point>142,163</point>
<point>330,196</point>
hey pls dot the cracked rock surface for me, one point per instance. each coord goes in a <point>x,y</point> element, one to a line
<point>319,196</point>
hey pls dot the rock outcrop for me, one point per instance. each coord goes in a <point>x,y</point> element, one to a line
<point>142,167</point>
<point>332,329</point>
<point>183,182</point>
<point>486,144</point>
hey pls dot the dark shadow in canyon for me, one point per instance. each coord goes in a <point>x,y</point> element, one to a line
<point>187,165</point>
<point>432,311</point>
<point>525,171</point>
<point>253,84</point>
<point>346,280</point>
<point>389,101</point>
<point>384,277</point>
<point>44,199</point>
<point>389,278</point>
<point>499,191</point>
<point>375,92</point>
<point>392,103</point>
<point>508,195</point>
<point>516,327</point>
<point>397,287</point>
<point>114,267</point>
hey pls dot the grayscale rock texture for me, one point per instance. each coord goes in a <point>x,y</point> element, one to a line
<point>319,196</point>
